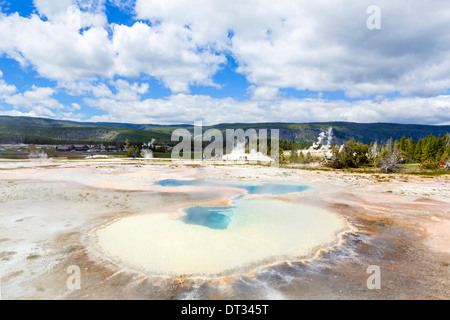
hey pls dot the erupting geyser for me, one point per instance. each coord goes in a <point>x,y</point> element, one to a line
<point>37,155</point>
<point>319,145</point>
<point>146,151</point>
<point>147,154</point>
<point>238,153</point>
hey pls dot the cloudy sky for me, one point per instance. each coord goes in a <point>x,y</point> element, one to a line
<point>180,61</point>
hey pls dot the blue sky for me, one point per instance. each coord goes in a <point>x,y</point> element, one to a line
<point>225,61</point>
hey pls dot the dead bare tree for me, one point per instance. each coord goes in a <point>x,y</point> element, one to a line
<point>389,146</point>
<point>389,163</point>
<point>390,158</point>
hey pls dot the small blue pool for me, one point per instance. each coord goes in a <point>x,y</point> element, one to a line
<point>211,217</point>
<point>251,188</point>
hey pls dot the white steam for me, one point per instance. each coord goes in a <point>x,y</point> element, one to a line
<point>147,153</point>
<point>148,145</point>
<point>238,153</point>
<point>323,136</point>
<point>35,155</point>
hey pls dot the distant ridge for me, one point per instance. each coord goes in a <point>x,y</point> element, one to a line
<point>43,130</point>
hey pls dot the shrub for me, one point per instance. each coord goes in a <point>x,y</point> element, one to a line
<point>352,155</point>
<point>133,150</point>
<point>429,164</point>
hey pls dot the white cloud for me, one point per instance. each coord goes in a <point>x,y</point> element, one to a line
<point>263,93</point>
<point>75,14</point>
<point>126,5</point>
<point>304,45</point>
<point>165,52</point>
<point>37,101</point>
<point>53,10</point>
<point>127,91</point>
<point>55,50</point>
<point>182,108</point>
<point>62,49</point>
<point>74,107</point>
<point>284,44</point>
<point>322,46</point>
<point>5,89</point>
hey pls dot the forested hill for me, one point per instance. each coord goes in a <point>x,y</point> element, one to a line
<point>41,130</point>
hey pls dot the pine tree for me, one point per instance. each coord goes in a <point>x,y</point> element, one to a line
<point>411,148</point>
<point>433,147</point>
<point>427,150</point>
<point>418,150</point>
<point>403,144</point>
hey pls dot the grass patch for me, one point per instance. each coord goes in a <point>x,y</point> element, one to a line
<point>5,255</point>
<point>407,169</point>
<point>430,173</point>
<point>33,256</point>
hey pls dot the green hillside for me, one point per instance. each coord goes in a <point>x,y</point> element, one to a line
<point>40,130</point>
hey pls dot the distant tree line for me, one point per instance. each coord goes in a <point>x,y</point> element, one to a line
<point>289,145</point>
<point>8,138</point>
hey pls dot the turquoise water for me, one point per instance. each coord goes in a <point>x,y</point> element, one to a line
<point>218,241</point>
<point>251,188</point>
<point>221,217</point>
<point>211,217</point>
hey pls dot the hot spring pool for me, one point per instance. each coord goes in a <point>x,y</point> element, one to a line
<point>221,240</point>
<point>251,188</point>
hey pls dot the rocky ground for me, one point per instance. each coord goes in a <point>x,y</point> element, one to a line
<point>49,211</point>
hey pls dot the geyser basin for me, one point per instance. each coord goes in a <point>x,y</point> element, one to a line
<point>258,232</point>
